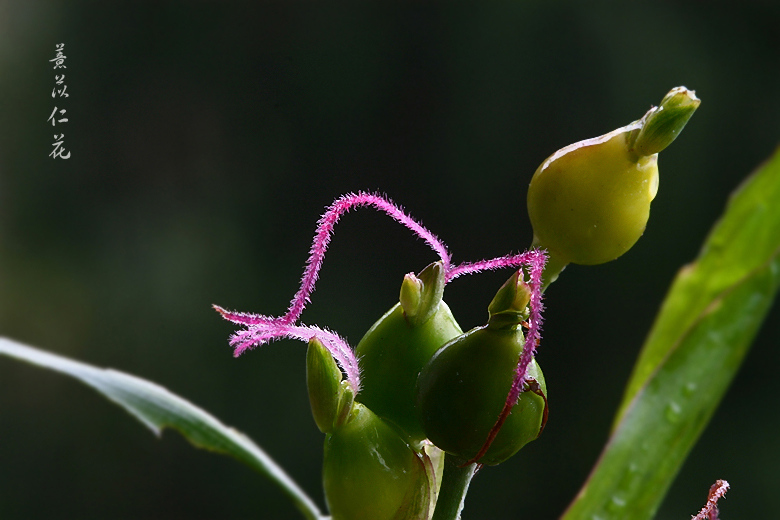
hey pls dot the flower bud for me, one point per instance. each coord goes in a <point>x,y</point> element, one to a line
<point>590,201</point>
<point>369,470</point>
<point>461,392</point>
<point>396,347</point>
<point>371,473</point>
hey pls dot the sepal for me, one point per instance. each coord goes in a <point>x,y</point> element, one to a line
<point>325,386</point>
<point>510,304</point>
<point>662,124</point>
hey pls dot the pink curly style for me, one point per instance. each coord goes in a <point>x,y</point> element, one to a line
<point>260,329</point>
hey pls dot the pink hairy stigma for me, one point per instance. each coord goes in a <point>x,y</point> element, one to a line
<point>260,329</point>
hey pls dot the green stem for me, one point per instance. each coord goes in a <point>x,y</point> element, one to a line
<point>551,271</point>
<point>454,486</point>
<point>553,268</point>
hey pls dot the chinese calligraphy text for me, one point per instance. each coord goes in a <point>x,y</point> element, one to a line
<point>58,115</point>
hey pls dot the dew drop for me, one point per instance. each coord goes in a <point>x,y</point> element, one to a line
<point>689,389</point>
<point>672,412</point>
<point>631,479</point>
<point>616,504</point>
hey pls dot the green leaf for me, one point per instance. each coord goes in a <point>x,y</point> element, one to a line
<point>158,408</point>
<point>705,326</point>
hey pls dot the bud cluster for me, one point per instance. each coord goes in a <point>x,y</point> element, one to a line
<point>417,388</point>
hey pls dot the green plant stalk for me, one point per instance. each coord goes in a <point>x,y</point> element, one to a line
<point>454,486</point>
<point>158,408</point>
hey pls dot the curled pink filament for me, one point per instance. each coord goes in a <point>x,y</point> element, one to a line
<point>260,329</point>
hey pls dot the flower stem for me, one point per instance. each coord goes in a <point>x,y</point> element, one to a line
<point>454,486</point>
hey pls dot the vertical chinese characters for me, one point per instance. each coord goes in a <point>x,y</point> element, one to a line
<point>59,91</point>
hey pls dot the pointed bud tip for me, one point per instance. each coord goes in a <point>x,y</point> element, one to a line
<point>411,295</point>
<point>421,294</point>
<point>510,304</point>
<point>662,124</point>
<point>345,405</point>
<point>679,97</point>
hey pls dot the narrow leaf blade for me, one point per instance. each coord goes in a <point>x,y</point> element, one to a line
<point>157,408</point>
<point>705,326</point>
<point>745,238</point>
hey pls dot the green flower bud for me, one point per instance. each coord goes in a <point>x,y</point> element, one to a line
<point>369,470</point>
<point>590,201</point>
<point>396,347</point>
<point>371,473</point>
<point>461,392</point>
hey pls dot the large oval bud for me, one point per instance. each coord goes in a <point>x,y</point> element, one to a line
<point>461,392</point>
<point>400,343</point>
<point>369,470</point>
<point>371,473</point>
<point>590,201</point>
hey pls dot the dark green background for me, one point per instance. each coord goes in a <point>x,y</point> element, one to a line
<point>206,140</point>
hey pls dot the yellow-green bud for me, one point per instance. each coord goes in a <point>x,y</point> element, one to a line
<point>590,201</point>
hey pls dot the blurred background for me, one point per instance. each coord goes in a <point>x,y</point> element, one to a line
<point>207,138</point>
